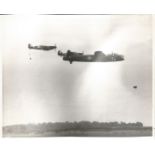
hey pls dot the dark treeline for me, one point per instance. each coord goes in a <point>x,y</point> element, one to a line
<point>63,126</point>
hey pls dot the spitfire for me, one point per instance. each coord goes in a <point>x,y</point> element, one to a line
<point>42,47</point>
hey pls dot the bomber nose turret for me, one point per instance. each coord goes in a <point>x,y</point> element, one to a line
<point>60,53</point>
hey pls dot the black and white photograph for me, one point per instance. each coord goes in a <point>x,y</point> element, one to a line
<point>77,75</point>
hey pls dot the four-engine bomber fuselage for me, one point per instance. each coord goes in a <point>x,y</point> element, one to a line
<point>98,56</point>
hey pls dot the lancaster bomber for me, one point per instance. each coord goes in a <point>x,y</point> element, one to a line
<point>42,47</point>
<point>98,56</point>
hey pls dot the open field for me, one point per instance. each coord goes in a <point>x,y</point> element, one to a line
<point>145,131</point>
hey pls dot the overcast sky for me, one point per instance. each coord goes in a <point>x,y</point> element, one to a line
<point>48,89</point>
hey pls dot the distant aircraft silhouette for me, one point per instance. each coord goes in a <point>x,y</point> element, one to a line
<point>135,87</point>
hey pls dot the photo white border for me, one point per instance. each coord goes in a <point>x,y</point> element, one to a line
<point>77,146</point>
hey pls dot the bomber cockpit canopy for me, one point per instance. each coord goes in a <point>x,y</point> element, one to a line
<point>99,53</point>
